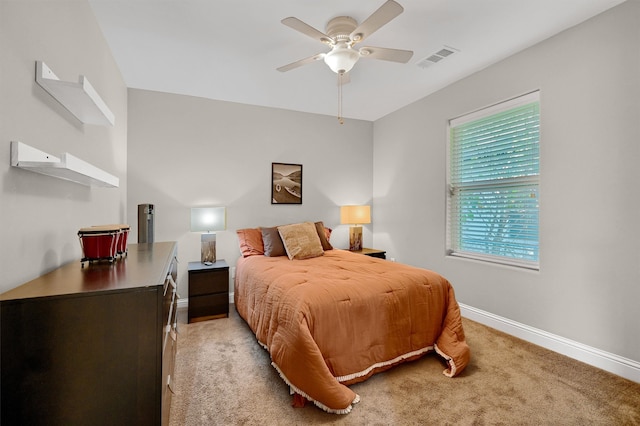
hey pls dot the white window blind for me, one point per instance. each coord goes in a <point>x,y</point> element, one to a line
<point>494,171</point>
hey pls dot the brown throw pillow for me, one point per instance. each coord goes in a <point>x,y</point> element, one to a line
<point>301,240</point>
<point>322,234</point>
<point>273,245</point>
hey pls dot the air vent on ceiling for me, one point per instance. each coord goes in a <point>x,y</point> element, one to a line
<point>436,57</point>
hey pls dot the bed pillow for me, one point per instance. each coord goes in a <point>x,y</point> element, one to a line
<point>301,240</point>
<point>273,245</point>
<point>250,242</point>
<point>324,236</point>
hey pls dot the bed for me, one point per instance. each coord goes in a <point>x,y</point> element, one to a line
<point>334,318</point>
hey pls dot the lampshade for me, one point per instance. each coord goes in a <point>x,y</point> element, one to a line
<point>355,214</point>
<point>342,58</point>
<point>208,219</point>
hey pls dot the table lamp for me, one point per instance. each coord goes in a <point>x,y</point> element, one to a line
<point>208,220</point>
<point>356,216</point>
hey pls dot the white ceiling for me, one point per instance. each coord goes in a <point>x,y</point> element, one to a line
<point>229,49</point>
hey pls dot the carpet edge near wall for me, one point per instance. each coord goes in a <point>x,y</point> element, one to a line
<point>607,361</point>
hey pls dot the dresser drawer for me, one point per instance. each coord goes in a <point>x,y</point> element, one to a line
<point>207,282</point>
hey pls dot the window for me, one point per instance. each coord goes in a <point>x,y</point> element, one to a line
<point>493,177</point>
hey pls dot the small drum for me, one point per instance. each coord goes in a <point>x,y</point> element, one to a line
<point>99,243</point>
<point>121,246</point>
<point>122,240</point>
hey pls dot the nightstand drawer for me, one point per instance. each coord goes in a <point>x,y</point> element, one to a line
<point>207,282</point>
<point>210,305</point>
<point>208,290</point>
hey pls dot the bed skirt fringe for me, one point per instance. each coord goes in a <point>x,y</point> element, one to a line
<point>396,360</point>
<point>318,404</point>
<point>451,371</point>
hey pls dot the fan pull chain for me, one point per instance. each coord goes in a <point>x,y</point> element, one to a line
<point>340,120</point>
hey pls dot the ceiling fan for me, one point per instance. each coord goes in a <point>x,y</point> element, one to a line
<point>342,34</point>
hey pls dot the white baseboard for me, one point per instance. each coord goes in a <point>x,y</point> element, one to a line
<point>184,304</point>
<point>624,367</point>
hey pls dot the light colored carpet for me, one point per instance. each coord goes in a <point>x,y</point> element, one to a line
<point>223,377</point>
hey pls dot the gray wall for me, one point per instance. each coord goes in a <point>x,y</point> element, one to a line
<point>187,152</point>
<point>41,215</point>
<point>587,288</point>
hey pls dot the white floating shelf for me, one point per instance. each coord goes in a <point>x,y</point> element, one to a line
<point>80,98</point>
<point>67,167</point>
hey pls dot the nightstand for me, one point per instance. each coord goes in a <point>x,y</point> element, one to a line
<point>381,254</point>
<point>208,290</point>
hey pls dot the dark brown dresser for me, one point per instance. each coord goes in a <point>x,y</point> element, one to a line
<point>93,345</point>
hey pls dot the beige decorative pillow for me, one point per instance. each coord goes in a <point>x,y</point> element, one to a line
<point>301,240</point>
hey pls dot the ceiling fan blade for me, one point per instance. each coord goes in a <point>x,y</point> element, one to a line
<point>301,62</point>
<point>394,55</point>
<point>306,29</point>
<point>380,17</point>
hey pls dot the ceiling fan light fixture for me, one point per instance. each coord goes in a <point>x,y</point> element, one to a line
<point>342,32</point>
<point>342,58</point>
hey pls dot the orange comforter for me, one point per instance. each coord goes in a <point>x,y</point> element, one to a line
<point>337,319</point>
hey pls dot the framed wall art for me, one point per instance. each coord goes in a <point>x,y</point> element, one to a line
<point>286,183</point>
